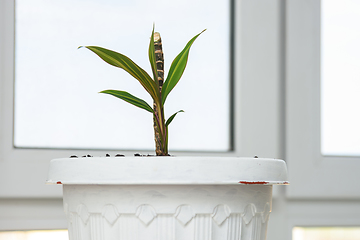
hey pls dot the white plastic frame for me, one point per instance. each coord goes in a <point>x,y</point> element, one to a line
<point>311,174</point>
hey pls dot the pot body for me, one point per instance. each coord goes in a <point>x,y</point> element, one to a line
<point>167,212</point>
<point>167,198</point>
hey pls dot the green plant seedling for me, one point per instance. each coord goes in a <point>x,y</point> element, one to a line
<point>155,86</point>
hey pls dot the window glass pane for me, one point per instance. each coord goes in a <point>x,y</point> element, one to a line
<point>326,233</point>
<point>35,235</point>
<point>57,104</point>
<point>340,73</point>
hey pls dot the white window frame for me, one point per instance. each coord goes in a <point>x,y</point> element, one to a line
<point>323,190</point>
<point>258,115</point>
<point>312,175</point>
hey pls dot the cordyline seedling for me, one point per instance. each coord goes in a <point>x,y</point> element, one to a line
<point>156,86</point>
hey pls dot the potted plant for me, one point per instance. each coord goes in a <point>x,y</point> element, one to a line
<point>135,198</point>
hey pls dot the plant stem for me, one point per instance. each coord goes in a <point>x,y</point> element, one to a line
<point>159,119</point>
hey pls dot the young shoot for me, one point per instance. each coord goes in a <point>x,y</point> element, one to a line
<point>156,86</point>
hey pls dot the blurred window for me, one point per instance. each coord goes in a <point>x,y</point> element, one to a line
<point>35,235</point>
<point>57,104</point>
<point>326,233</point>
<point>340,64</point>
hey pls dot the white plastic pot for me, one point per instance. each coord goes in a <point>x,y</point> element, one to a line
<point>167,198</point>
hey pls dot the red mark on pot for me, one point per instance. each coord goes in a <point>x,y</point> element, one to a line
<point>58,182</point>
<point>246,182</point>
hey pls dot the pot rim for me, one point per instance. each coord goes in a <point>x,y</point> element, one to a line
<point>180,170</point>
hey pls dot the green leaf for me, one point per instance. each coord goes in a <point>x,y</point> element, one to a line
<point>152,58</point>
<point>177,69</point>
<point>130,99</point>
<point>121,61</point>
<point>172,118</point>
